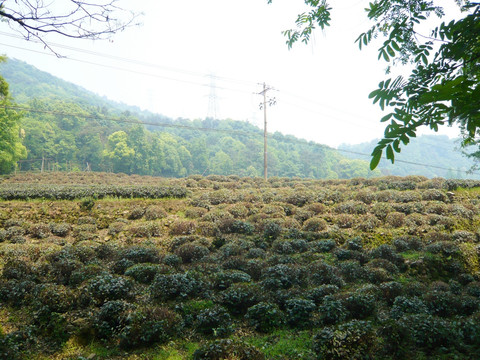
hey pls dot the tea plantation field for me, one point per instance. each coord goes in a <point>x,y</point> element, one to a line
<point>108,266</point>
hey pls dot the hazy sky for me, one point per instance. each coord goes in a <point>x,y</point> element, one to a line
<point>165,64</point>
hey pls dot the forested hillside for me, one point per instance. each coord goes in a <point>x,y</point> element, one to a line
<point>442,154</point>
<point>69,128</point>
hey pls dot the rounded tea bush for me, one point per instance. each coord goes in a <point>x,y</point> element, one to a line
<point>299,312</point>
<point>353,340</point>
<point>227,349</point>
<point>109,287</point>
<point>314,224</point>
<point>173,286</point>
<point>214,321</point>
<point>265,317</point>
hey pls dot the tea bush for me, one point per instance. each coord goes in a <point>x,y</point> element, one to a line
<point>214,321</point>
<point>265,317</point>
<point>147,326</point>
<point>173,286</point>
<point>239,297</point>
<point>332,311</point>
<point>299,312</point>
<point>143,273</point>
<point>353,340</point>
<point>109,287</point>
<point>227,349</point>
<point>225,279</point>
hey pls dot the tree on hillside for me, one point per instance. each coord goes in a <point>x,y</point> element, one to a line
<point>69,18</point>
<point>11,148</point>
<point>444,85</point>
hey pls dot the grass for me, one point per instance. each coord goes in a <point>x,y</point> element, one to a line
<point>284,345</point>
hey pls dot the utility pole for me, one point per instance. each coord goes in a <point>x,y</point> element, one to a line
<point>263,105</point>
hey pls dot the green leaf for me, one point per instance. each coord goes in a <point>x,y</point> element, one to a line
<point>390,154</point>
<point>376,156</point>
<point>386,117</point>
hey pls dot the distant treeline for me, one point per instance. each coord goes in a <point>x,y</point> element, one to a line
<point>69,128</point>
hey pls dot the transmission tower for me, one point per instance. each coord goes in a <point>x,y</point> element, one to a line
<point>212,98</point>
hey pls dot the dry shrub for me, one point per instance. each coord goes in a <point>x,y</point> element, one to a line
<point>207,228</point>
<point>367,223</point>
<point>155,212</point>
<point>183,227</point>
<point>395,219</point>
<point>315,224</point>
<point>316,208</point>
<point>345,221</point>
<point>195,212</point>
<point>39,231</point>
<point>414,220</point>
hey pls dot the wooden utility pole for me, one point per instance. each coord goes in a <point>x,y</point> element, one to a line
<point>264,106</point>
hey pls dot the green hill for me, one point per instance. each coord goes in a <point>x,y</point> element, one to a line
<point>69,128</point>
<point>442,155</point>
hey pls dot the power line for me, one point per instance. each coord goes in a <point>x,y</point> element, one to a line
<point>128,60</point>
<point>129,70</point>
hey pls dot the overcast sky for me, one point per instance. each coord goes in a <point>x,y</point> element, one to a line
<point>194,59</point>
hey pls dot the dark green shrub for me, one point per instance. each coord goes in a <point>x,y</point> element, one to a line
<point>10,345</point>
<point>318,294</point>
<point>84,273</point>
<point>281,277</point>
<point>16,292</point>
<point>140,254</point>
<point>51,326</point>
<point>191,252</point>
<point>109,287</point>
<point>407,305</point>
<point>111,318</point>
<point>322,246</point>
<point>320,273</point>
<point>390,291</point>
<point>282,247</point>
<point>242,227</point>
<point>430,332</point>
<point>190,309</point>
<point>214,321</point>
<point>149,325</point>
<point>265,317</point>
<point>353,340</point>
<point>360,306</point>
<point>239,297</point>
<point>351,270</point>
<point>299,312</point>
<point>172,260</point>
<point>332,311</point>
<point>173,286</point>
<point>227,349</point>
<point>87,204</point>
<point>143,273</point>
<point>17,269</point>
<point>271,230</point>
<point>395,338</point>
<point>256,253</point>
<point>225,279</point>
<point>57,298</point>
<point>387,252</point>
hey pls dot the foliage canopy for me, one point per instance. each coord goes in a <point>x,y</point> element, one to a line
<point>443,86</point>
